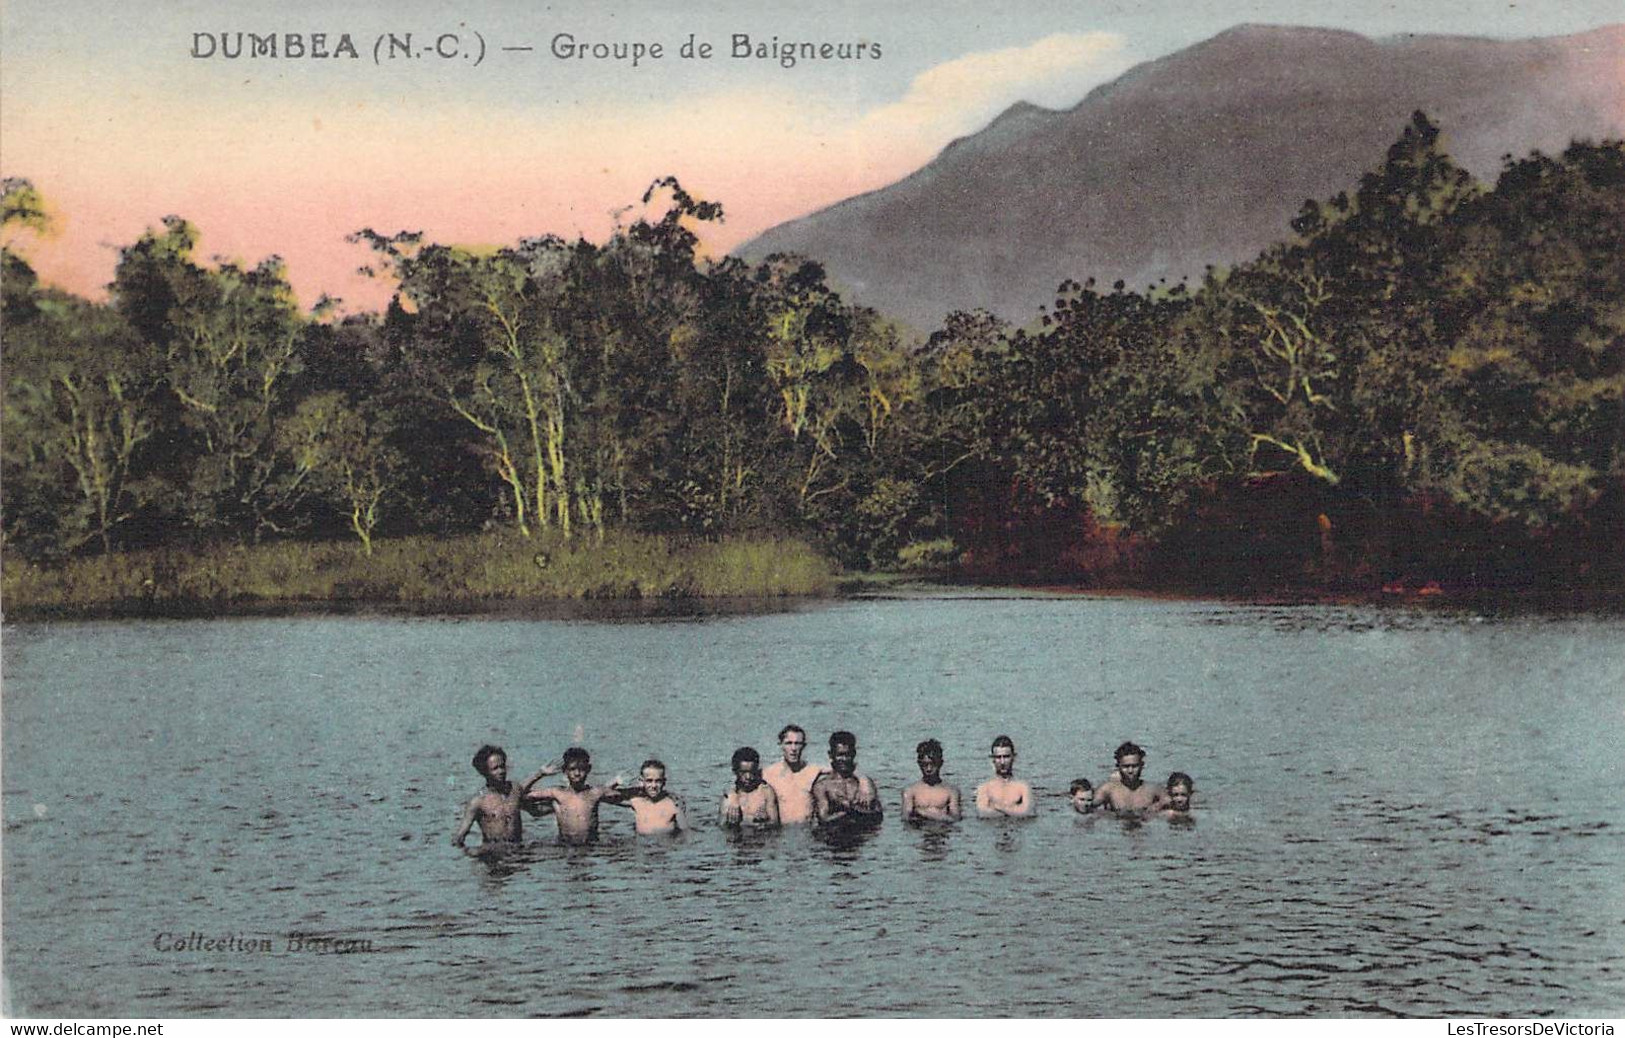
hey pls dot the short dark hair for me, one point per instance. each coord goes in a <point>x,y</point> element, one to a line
<point>576,753</point>
<point>787,729</point>
<point>1078,784</point>
<point>483,755</point>
<point>1004,740</point>
<point>1179,778</point>
<point>842,739</point>
<point>1128,749</point>
<point>744,754</point>
<point>929,748</point>
<point>652,763</point>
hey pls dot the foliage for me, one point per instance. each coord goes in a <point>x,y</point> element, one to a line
<point>1422,360</point>
<point>416,571</point>
<point>232,341</point>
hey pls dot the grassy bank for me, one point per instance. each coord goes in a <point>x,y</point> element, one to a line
<point>415,571</point>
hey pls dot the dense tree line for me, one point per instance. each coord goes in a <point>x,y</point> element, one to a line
<point>1427,365</point>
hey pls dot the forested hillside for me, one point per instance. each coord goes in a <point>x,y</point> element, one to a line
<point>1423,381</point>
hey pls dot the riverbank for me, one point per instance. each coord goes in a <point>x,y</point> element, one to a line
<point>1560,601</point>
<point>474,573</point>
<point>625,576</point>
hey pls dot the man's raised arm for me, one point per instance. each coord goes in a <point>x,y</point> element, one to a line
<point>546,770</point>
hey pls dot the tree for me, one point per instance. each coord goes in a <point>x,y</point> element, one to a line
<point>1535,366</point>
<point>22,205</point>
<point>718,472</point>
<point>232,339</point>
<point>812,368</point>
<point>79,411</point>
<point>485,342</point>
<point>346,456</point>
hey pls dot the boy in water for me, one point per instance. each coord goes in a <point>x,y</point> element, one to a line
<point>752,802</point>
<point>930,799</point>
<point>1004,794</point>
<point>1126,793</point>
<point>842,798</point>
<point>497,809</point>
<point>1083,797</point>
<point>575,806</point>
<point>655,811</point>
<point>1177,806</point>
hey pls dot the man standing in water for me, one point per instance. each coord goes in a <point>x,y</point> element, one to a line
<point>843,799</point>
<point>930,799</point>
<point>497,809</point>
<point>575,806</point>
<point>751,803</point>
<point>1004,794</point>
<point>1126,793</point>
<point>792,778</point>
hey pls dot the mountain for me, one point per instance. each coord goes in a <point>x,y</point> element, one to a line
<point>1200,157</point>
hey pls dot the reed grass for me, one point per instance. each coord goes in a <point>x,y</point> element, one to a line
<point>420,571</point>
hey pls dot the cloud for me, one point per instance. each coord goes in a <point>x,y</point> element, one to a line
<point>963,95</point>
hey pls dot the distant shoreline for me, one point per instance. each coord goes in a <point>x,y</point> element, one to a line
<point>620,574</point>
<point>1497,601</point>
<point>850,587</point>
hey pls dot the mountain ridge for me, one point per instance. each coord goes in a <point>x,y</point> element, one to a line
<point>1197,157</point>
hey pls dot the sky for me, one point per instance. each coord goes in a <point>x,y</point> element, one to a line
<point>476,140</point>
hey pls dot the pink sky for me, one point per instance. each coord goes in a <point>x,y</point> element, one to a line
<point>103,108</point>
<point>296,184</point>
<point>270,158</point>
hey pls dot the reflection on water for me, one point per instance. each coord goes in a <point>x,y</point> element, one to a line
<point>1398,813</point>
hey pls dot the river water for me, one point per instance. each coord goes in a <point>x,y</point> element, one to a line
<point>1398,813</point>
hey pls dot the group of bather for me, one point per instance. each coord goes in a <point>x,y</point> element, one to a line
<point>794,791</point>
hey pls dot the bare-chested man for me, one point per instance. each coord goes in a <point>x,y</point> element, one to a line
<point>655,811</point>
<point>843,799</point>
<point>1177,806</point>
<point>1126,793</point>
<point>792,778</point>
<point>497,809</point>
<point>930,799</point>
<point>1004,795</point>
<point>752,802</point>
<point>575,806</point>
